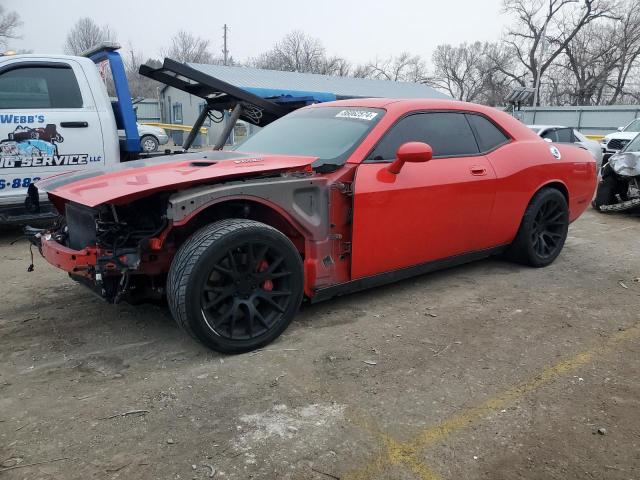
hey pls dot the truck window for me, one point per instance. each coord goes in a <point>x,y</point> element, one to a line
<point>39,87</point>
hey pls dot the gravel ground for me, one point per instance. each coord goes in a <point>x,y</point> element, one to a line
<point>490,370</point>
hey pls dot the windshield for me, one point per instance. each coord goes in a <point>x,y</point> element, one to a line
<point>633,126</point>
<point>633,145</point>
<point>329,133</point>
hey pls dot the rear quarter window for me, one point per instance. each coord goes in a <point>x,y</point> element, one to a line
<point>488,135</point>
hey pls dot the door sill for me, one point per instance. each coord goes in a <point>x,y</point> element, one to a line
<point>385,278</point>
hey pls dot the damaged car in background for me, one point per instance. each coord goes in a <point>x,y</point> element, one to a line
<point>619,187</point>
<point>330,199</point>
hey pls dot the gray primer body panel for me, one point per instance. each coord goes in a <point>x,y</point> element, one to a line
<point>306,199</point>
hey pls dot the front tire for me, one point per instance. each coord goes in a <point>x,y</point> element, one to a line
<point>235,285</point>
<point>543,229</point>
<point>149,144</point>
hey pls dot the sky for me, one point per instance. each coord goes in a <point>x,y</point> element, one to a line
<point>357,30</point>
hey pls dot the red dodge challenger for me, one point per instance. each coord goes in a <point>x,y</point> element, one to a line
<point>329,199</point>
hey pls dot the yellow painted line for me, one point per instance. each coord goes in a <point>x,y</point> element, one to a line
<point>407,454</point>
<point>175,126</point>
<point>597,138</point>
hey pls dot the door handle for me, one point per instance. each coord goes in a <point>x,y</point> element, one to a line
<point>74,124</point>
<point>477,170</point>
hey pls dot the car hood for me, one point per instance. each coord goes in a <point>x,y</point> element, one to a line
<point>621,135</point>
<point>145,129</point>
<point>626,164</point>
<point>125,182</point>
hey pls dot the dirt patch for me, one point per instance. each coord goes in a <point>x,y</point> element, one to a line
<point>348,379</point>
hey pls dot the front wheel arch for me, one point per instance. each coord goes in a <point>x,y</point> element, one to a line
<point>249,209</point>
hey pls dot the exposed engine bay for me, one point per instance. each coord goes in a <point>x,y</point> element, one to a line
<point>118,239</point>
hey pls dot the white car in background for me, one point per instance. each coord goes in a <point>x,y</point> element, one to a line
<point>614,142</point>
<point>560,134</point>
<point>151,137</point>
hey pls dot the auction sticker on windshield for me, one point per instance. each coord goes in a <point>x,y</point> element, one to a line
<point>357,114</point>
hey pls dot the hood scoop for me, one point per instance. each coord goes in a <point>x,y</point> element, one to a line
<point>202,163</point>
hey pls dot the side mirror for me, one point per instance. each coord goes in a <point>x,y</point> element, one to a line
<point>621,129</point>
<point>413,152</point>
<point>547,139</point>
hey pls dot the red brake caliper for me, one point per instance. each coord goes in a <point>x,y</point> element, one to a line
<point>267,284</point>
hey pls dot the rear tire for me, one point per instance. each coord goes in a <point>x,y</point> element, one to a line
<point>543,229</point>
<point>235,285</point>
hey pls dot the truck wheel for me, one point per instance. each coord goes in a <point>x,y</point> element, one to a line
<point>149,144</point>
<point>235,285</point>
<point>543,229</point>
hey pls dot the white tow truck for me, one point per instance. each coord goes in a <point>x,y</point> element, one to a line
<point>56,117</point>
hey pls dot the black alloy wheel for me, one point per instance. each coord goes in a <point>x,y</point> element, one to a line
<point>543,229</point>
<point>548,229</point>
<point>247,290</point>
<point>235,285</point>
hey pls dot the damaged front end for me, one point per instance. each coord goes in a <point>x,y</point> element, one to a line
<point>116,250</point>
<point>619,188</point>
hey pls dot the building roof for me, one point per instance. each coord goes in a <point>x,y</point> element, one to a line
<point>252,78</point>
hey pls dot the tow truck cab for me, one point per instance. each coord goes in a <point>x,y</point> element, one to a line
<point>56,117</point>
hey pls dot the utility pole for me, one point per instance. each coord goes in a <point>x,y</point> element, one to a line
<point>543,45</point>
<point>225,51</point>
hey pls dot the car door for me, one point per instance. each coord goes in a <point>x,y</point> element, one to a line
<point>428,211</point>
<point>48,123</point>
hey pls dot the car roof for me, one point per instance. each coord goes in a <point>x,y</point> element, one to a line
<point>408,104</point>
<point>547,126</point>
<point>400,106</point>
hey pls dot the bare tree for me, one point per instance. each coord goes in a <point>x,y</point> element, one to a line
<point>86,34</point>
<point>139,85</point>
<point>459,70</point>
<point>336,66</point>
<point>402,68</point>
<point>556,21</point>
<point>591,57</point>
<point>9,24</point>
<point>472,72</point>
<point>627,34</point>
<point>595,65</point>
<point>188,48</point>
<point>296,52</point>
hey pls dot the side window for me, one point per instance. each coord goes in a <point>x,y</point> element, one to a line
<point>177,113</point>
<point>488,135</point>
<point>449,134</point>
<point>565,135</point>
<point>39,87</point>
<point>551,135</point>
